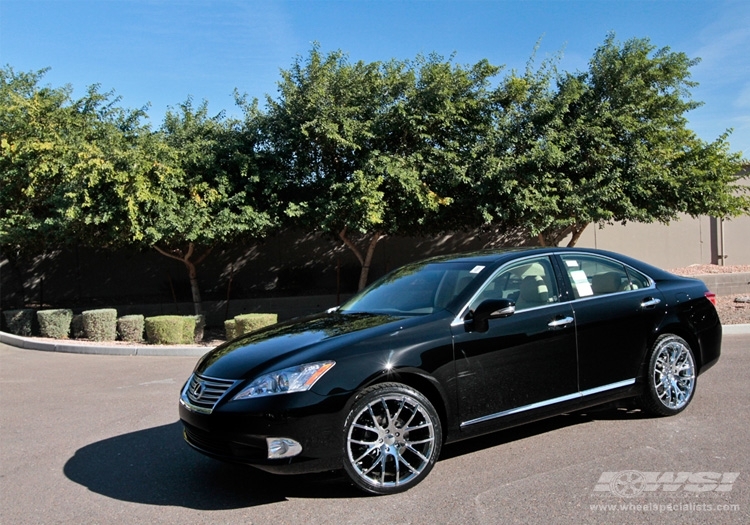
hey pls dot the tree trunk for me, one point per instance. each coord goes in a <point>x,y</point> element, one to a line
<point>191,266</point>
<point>194,288</point>
<point>364,259</point>
<point>577,231</point>
<point>555,237</point>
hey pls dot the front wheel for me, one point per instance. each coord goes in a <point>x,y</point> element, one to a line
<point>670,377</point>
<point>392,438</point>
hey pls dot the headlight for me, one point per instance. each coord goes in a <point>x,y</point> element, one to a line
<point>286,381</point>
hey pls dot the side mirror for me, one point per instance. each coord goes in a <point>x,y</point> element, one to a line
<point>478,320</point>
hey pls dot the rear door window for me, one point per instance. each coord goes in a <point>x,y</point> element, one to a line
<point>591,276</point>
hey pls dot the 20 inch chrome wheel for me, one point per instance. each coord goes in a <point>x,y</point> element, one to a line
<point>393,438</point>
<point>671,377</point>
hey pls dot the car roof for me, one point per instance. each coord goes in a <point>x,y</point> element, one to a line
<point>501,255</point>
<point>496,255</point>
<point>480,256</point>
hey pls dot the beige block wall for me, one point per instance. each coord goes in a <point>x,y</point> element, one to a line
<point>681,243</point>
<point>737,241</point>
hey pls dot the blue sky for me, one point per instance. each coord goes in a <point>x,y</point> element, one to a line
<point>161,51</point>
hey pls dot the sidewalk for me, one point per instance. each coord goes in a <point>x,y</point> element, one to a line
<point>86,347</point>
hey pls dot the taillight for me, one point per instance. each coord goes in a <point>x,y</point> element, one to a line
<point>711,297</point>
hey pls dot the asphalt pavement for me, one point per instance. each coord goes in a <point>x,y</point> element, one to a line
<point>97,439</point>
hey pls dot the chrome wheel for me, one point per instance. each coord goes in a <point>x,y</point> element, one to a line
<point>672,376</point>
<point>393,439</point>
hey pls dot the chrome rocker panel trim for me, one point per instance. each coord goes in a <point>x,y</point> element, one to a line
<point>548,402</point>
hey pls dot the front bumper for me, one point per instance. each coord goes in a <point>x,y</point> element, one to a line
<point>238,431</point>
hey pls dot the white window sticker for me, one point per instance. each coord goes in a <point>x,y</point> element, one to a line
<point>581,283</point>
<point>571,264</point>
<point>477,269</point>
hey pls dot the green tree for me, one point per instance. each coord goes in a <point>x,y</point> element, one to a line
<point>322,130</point>
<point>368,149</point>
<point>442,131</point>
<point>61,160</point>
<point>612,145</point>
<point>30,173</point>
<point>516,182</point>
<point>208,193</point>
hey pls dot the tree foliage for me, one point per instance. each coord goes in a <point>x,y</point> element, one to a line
<point>86,172</point>
<point>209,193</point>
<point>62,162</point>
<point>366,150</point>
<point>374,149</point>
<point>611,144</point>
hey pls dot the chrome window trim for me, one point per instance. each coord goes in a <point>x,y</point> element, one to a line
<point>601,296</point>
<point>459,319</point>
<point>540,404</point>
<point>651,282</point>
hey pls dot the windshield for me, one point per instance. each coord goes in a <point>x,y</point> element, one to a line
<point>415,289</point>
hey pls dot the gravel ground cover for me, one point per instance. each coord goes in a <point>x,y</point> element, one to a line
<point>733,309</point>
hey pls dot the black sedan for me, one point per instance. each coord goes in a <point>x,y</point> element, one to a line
<point>446,349</point>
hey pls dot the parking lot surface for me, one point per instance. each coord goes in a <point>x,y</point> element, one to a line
<point>96,439</point>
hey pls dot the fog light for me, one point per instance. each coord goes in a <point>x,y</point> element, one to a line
<point>282,448</point>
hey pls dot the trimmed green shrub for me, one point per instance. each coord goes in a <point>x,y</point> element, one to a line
<point>230,327</point>
<point>188,329</point>
<point>247,323</point>
<point>130,328</point>
<point>20,322</point>
<point>170,330</point>
<point>76,327</point>
<point>100,325</point>
<point>54,323</point>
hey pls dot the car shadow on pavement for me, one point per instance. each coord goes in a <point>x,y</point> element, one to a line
<point>155,467</point>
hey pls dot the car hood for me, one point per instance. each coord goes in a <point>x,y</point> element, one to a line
<point>272,347</point>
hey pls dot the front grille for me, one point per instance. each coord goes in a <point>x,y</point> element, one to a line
<point>205,392</point>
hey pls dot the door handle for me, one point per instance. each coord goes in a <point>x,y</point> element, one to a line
<point>557,323</point>
<point>650,302</point>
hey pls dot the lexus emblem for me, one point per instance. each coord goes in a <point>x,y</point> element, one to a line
<point>198,390</point>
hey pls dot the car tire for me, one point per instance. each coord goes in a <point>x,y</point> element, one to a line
<point>670,377</point>
<point>392,438</point>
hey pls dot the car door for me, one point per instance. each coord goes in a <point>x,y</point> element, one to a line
<point>522,361</point>
<point>616,310</point>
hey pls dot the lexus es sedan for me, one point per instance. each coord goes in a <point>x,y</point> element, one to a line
<point>446,349</point>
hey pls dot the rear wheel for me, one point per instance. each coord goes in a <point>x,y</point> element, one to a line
<point>392,438</point>
<point>670,377</point>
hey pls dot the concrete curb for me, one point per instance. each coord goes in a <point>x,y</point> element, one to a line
<point>736,329</point>
<point>71,347</point>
